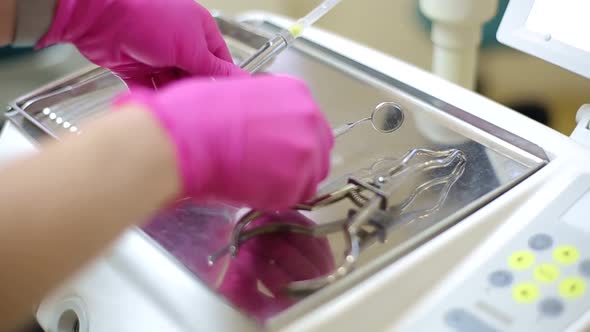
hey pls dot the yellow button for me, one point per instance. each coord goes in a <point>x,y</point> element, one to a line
<point>526,292</point>
<point>521,260</point>
<point>572,287</point>
<point>546,273</point>
<point>566,254</point>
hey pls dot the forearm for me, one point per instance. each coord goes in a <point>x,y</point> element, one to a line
<point>7,21</point>
<point>64,205</point>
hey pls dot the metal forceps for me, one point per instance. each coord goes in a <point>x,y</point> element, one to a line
<point>365,226</point>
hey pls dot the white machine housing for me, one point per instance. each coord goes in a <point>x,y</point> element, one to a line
<point>555,31</point>
<point>532,273</point>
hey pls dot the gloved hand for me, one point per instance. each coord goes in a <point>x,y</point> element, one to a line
<point>143,40</point>
<point>274,261</point>
<point>258,141</point>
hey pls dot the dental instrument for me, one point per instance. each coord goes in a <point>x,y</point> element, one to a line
<point>283,39</point>
<point>385,118</point>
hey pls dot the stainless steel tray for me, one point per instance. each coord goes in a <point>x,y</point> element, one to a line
<point>496,160</point>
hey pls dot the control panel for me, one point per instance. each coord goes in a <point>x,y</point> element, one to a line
<point>537,281</point>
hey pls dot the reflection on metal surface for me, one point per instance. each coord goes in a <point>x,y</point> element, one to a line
<point>63,108</point>
<point>253,281</point>
<point>374,217</point>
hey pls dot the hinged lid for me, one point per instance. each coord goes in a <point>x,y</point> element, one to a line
<point>555,31</point>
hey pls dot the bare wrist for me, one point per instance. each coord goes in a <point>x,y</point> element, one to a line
<point>151,145</point>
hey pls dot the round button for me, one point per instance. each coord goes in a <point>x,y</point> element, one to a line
<point>455,318</point>
<point>500,278</point>
<point>546,273</point>
<point>566,254</point>
<point>521,260</point>
<point>526,292</point>
<point>572,288</point>
<point>585,268</point>
<point>551,307</point>
<point>540,242</point>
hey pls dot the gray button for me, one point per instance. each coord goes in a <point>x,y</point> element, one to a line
<point>462,321</point>
<point>500,278</point>
<point>551,307</point>
<point>540,242</point>
<point>585,268</point>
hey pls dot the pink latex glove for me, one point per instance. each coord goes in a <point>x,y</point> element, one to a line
<point>258,141</point>
<point>274,261</point>
<point>145,42</point>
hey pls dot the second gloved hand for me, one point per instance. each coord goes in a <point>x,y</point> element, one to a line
<point>257,141</point>
<point>143,42</point>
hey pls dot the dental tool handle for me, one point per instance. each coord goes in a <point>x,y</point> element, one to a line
<point>265,54</point>
<point>342,130</point>
<point>347,127</point>
<point>282,40</point>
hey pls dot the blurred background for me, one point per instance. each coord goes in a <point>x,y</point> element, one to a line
<point>543,91</point>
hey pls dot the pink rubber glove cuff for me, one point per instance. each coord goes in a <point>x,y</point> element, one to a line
<point>145,99</point>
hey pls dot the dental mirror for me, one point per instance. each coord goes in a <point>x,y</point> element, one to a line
<point>385,118</point>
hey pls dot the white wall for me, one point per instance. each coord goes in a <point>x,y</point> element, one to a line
<point>237,6</point>
<point>388,25</point>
